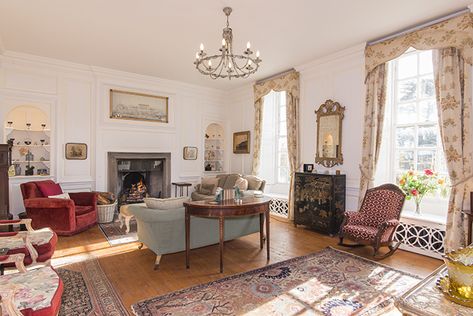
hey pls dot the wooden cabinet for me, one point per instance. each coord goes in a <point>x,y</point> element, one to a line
<point>4,195</point>
<point>319,201</point>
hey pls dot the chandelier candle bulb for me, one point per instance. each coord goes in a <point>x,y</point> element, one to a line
<point>223,42</point>
<point>201,47</point>
<point>248,45</point>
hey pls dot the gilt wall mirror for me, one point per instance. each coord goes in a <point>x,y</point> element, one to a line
<point>329,134</point>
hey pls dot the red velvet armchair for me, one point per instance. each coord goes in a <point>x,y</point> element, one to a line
<point>65,216</point>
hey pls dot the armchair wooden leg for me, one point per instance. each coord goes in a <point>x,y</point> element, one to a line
<point>341,243</point>
<point>156,262</point>
<point>140,246</point>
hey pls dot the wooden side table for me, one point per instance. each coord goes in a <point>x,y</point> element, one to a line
<point>228,208</point>
<point>181,186</point>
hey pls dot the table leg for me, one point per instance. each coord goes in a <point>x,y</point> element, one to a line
<point>175,190</point>
<point>181,191</point>
<point>470,222</point>
<point>261,230</point>
<point>187,192</point>
<point>267,233</point>
<point>188,228</point>
<point>221,230</point>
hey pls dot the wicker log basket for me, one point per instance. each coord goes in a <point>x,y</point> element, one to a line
<point>106,206</point>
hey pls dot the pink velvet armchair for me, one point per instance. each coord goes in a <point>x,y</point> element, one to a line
<point>65,216</point>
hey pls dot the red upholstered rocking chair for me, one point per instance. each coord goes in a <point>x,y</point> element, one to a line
<point>65,217</point>
<point>376,221</point>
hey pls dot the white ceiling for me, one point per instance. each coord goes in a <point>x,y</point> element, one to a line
<point>160,37</point>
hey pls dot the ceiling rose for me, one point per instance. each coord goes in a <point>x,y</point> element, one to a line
<point>226,64</point>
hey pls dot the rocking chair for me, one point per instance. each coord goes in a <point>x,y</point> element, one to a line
<point>376,221</point>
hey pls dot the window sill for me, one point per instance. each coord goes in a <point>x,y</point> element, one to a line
<point>423,217</point>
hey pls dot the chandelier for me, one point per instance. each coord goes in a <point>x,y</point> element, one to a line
<point>226,64</point>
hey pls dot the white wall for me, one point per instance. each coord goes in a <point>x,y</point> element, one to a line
<point>77,99</point>
<point>338,77</point>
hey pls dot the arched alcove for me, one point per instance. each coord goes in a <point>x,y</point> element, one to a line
<point>27,128</point>
<point>214,148</point>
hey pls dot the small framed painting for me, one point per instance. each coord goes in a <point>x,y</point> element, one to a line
<point>241,142</point>
<point>125,105</point>
<point>76,151</point>
<point>190,153</point>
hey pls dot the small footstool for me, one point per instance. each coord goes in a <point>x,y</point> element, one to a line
<point>125,216</point>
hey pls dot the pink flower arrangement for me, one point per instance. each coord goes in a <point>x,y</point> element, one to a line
<point>416,185</point>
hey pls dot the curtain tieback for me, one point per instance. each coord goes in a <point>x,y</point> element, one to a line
<point>461,181</point>
<point>364,175</point>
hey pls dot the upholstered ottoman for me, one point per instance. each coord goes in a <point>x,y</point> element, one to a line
<point>125,215</point>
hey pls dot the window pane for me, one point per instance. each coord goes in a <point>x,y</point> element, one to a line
<point>425,62</point>
<point>283,144</point>
<point>427,87</point>
<point>405,159</point>
<point>405,137</point>
<point>427,136</point>
<point>282,128</point>
<point>406,113</point>
<point>282,98</point>
<point>283,175</point>
<point>407,66</point>
<point>407,90</point>
<point>425,159</point>
<point>282,113</point>
<point>428,111</point>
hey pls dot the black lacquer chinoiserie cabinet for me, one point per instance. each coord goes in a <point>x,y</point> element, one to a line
<point>319,201</point>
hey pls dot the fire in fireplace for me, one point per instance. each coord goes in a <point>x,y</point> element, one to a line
<point>134,188</point>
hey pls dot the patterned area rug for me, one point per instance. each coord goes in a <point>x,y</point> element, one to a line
<point>116,235</point>
<point>87,291</point>
<point>329,282</point>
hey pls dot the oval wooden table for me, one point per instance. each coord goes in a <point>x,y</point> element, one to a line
<point>228,208</point>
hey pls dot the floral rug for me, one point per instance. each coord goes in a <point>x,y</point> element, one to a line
<point>116,235</point>
<point>87,291</point>
<point>329,282</point>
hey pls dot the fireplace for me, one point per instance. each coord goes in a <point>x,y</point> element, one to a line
<point>135,176</point>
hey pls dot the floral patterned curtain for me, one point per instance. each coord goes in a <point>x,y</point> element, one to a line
<point>375,104</point>
<point>290,84</point>
<point>455,32</point>
<point>453,92</point>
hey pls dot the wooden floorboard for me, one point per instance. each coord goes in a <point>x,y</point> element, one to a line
<point>131,270</point>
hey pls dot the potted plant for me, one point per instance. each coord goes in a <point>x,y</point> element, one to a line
<point>416,185</point>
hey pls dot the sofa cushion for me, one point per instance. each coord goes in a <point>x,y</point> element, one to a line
<point>254,183</point>
<point>48,188</point>
<point>209,184</point>
<point>165,204</point>
<point>80,210</point>
<point>231,180</point>
<point>242,184</point>
<point>221,180</point>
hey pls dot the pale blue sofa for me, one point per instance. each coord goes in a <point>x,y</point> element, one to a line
<point>163,231</point>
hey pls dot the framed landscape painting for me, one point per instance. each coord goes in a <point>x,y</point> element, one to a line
<point>190,153</point>
<point>241,142</point>
<point>125,105</point>
<point>76,151</point>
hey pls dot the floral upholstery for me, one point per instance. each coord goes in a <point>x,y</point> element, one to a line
<point>35,289</point>
<point>377,218</point>
<point>37,238</point>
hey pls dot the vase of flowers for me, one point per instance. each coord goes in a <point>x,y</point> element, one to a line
<point>416,185</point>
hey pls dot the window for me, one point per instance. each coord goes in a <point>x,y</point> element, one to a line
<point>411,136</point>
<point>274,166</point>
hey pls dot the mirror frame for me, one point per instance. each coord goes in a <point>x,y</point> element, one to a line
<point>329,108</point>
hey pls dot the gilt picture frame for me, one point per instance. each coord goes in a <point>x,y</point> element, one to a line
<point>76,151</point>
<point>241,142</point>
<point>126,105</point>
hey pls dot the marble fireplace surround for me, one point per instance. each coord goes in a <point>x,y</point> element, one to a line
<point>113,173</point>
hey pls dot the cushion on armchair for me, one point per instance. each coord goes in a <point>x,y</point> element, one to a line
<point>49,188</point>
<point>254,183</point>
<point>242,184</point>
